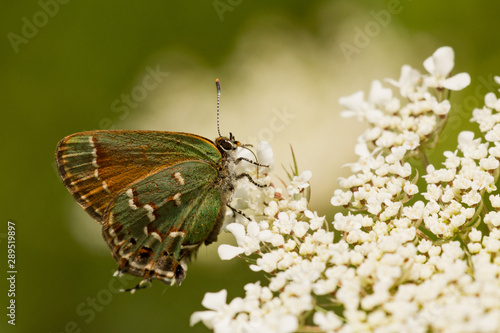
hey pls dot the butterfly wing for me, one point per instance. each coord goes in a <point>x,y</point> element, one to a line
<point>155,225</point>
<point>97,165</point>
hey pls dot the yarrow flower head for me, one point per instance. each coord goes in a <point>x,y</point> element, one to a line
<point>414,253</point>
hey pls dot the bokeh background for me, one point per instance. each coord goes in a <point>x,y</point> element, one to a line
<point>69,66</point>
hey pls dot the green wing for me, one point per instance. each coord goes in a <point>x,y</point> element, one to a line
<point>97,165</point>
<point>163,218</point>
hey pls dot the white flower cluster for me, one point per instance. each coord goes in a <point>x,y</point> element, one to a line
<point>401,264</point>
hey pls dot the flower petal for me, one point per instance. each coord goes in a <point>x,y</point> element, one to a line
<point>305,175</point>
<point>265,155</point>
<point>354,105</point>
<point>441,62</point>
<point>215,301</point>
<point>228,252</point>
<point>237,230</point>
<point>378,94</point>
<point>457,82</point>
<point>253,229</point>
<point>207,317</point>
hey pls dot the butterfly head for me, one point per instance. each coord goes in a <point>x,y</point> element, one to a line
<point>227,145</point>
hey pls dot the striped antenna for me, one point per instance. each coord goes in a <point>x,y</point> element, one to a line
<point>217,84</point>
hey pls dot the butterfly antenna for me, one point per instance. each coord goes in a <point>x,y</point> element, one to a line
<point>251,151</point>
<point>217,84</point>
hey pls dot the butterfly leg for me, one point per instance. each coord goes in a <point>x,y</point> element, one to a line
<point>118,273</point>
<point>238,160</point>
<point>145,283</point>
<point>250,179</point>
<point>246,175</point>
<point>237,211</point>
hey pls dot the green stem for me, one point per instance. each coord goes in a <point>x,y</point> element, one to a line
<point>425,160</point>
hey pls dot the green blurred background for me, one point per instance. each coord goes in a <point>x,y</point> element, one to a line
<point>69,67</point>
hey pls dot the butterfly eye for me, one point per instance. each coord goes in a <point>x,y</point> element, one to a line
<point>227,145</point>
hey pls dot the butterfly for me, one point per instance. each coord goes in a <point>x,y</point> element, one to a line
<point>158,195</point>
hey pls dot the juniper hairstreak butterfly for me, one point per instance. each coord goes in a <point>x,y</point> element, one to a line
<point>158,195</point>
